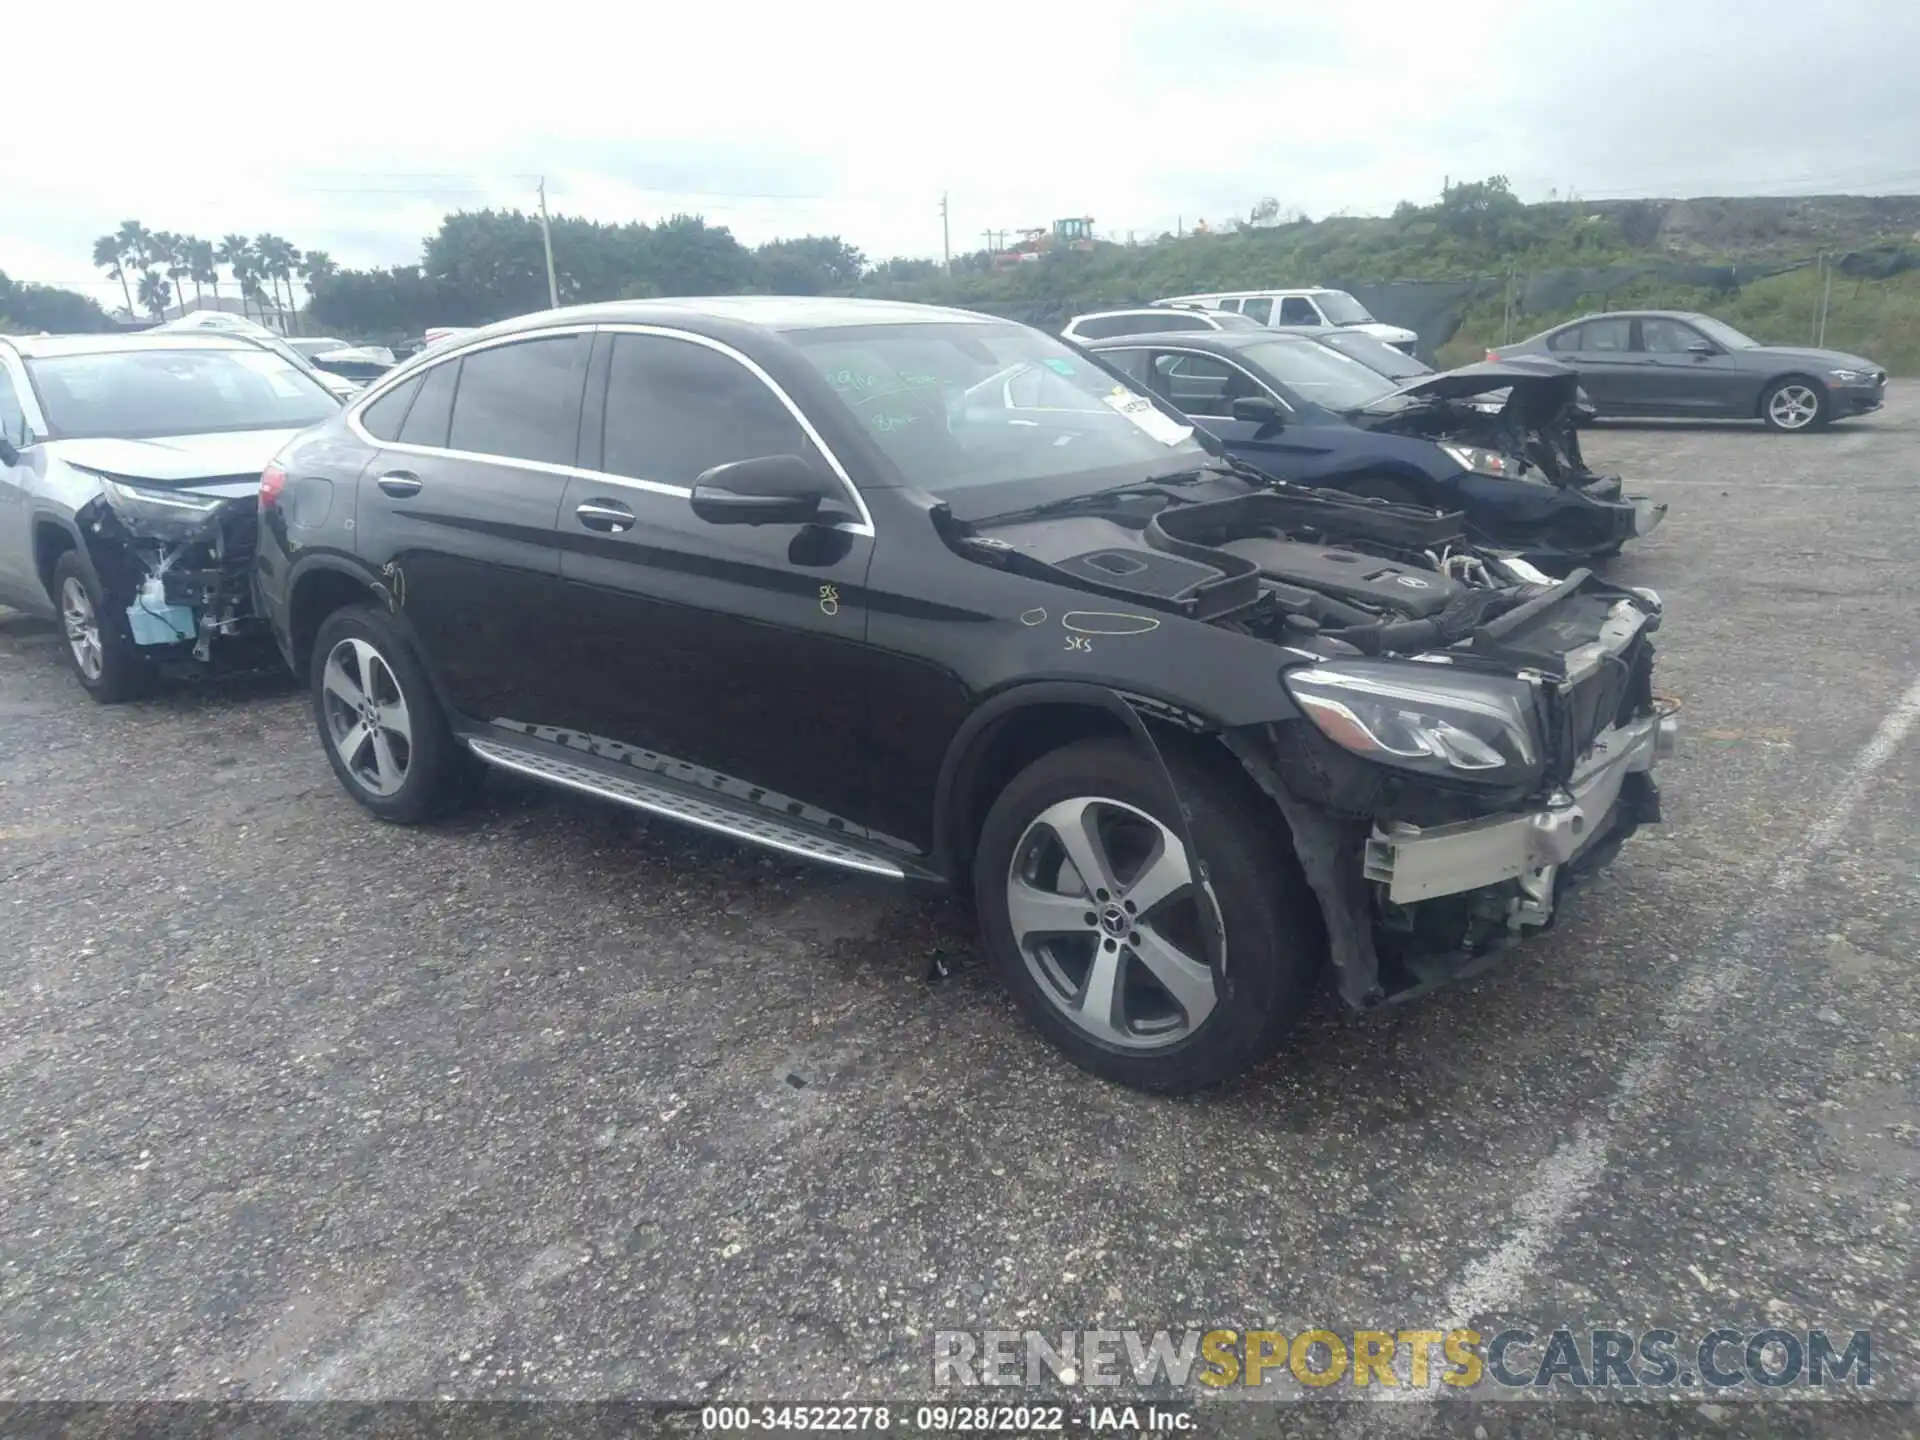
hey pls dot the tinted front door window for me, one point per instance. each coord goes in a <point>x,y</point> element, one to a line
<point>1298,310</point>
<point>519,401</point>
<point>675,408</point>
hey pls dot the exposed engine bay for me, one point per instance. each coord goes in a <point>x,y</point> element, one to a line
<point>179,558</point>
<point>1431,833</point>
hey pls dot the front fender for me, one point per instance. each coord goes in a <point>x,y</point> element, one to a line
<point>1130,710</point>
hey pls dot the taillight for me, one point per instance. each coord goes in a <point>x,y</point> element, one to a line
<point>1493,354</point>
<point>272,481</point>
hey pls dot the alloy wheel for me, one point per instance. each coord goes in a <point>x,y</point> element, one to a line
<point>1107,916</point>
<point>366,713</point>
<point>1794,407</point>
<point>82,627</point>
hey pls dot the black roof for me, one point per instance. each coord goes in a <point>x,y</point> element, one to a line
<point>779,313</point>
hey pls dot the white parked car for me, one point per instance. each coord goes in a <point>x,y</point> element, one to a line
<point>1152,320</point>
<point>1306,309</point>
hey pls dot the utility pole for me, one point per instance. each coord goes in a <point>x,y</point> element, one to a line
<point>946,245</point>
<point>546,239</point>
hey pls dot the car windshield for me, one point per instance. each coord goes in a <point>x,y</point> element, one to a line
<point>960,405</point>
<point>1313,372</point>
<point>1723,334</point>
<point>1341,308</point>
<point>1375,354</point>
<point>144,394</point>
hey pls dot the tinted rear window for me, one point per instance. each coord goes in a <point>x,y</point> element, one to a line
<point>384,417</point>
<point>521,401</point>
<point>427,421</point>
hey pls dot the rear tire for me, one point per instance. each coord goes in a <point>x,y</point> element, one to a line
<point>98,641</point>
<point>380,722</point>
<point>1795,404</point>
<point>1122,1021</point>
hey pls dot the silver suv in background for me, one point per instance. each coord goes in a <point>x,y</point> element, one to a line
<point>1308,308</point>
<point>1151,320</point>
<point>130,467</point>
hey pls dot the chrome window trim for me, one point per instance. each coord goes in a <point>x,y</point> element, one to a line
<point>862,526</point>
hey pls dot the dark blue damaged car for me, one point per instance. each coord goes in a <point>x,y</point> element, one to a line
<point>1496,441</point>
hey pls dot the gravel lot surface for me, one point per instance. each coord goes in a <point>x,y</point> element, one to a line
<point>554,1101</point>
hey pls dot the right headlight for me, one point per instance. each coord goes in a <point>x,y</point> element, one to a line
<point>1440,722</point>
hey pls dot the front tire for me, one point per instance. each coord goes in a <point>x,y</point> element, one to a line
<point>380,722</point>
<point>1113,969</point>
<point>1796,404</point>
<point>99,644</point>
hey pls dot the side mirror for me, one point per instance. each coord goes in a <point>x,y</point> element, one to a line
<point>1702,347</point>
<point>767,490</point>
<point>1258,410</point>
<point>9,452</point>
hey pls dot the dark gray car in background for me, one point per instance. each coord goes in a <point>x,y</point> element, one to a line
<point>1678,363</point>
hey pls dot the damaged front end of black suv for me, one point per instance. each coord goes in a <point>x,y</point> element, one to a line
<point>1469,736</point>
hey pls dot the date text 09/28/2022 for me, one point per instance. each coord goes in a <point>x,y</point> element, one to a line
<point>950,1419</point>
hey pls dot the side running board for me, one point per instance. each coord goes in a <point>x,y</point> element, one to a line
<point>676,804</point>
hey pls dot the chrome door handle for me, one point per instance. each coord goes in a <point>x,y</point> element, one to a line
<point>604,515</point>
<point>399,484</point>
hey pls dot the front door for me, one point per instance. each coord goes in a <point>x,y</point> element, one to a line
<point>457,513</point>
<point>1204,387</point>
<point>1683,372</point>
<point>735,649</point>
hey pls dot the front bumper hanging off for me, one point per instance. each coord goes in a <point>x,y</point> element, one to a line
<point>1416,864</point>
<point>1480,882</point>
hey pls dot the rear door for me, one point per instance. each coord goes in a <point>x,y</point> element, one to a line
<point>1602,351</point>
<point>458,514</point>
<point>737,649</point>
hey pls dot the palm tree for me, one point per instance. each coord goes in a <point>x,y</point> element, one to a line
<point>155,292</point>
<point>106,254</point>
<point>250,289</point>
<point>200,258</point>
<point>277,259</point>
<point>136,245</point>
<point>170,250</point>
<point>235,252</point>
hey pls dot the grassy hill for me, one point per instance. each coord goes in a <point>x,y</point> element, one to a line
<point>1479,267</point>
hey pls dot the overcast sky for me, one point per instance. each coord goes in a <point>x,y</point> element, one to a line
<point>353,128</point>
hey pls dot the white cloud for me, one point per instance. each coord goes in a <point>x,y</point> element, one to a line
<point>354,130</point>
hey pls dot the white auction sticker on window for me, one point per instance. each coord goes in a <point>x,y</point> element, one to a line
<point>1142,412</point>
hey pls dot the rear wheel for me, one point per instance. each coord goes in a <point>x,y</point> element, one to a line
<point>384,731</point>
<point>1094,913</point>
<point>1795,403</point>
<point>100,648</point>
